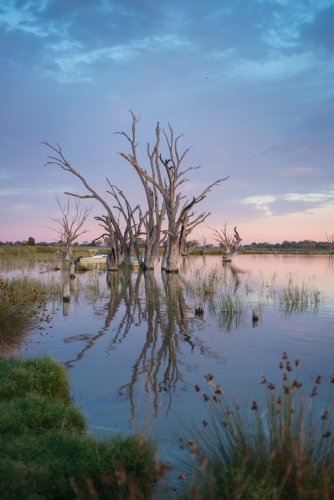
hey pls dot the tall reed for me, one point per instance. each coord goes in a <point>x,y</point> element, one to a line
<point>282,451</point>
<point>21,305</point>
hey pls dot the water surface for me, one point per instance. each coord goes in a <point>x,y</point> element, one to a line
<point>135,348</point>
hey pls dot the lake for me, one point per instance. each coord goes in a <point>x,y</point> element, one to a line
<point>135,348</point>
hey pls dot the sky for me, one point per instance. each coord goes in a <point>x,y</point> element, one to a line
<point>250,82</point>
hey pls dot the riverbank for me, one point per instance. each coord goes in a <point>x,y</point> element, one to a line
<point>45,451</point>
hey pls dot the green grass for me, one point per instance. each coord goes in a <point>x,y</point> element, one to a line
<point>45,452</point>
<point>34,414</point>
<point>299,298</point>
<point>40,375</point>
<point>284,450</point>
<point>59,465</point>
<point>21,304</point>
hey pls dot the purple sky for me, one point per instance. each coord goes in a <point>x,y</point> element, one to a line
<point>251,82</point>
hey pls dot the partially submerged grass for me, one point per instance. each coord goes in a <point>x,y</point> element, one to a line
<point>299,298</point>
<point>283,451</point>
<point>21,305</point>
<point>45,453</point>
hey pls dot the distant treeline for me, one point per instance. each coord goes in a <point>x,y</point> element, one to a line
<point>291,245</point>
<point>286,245</point>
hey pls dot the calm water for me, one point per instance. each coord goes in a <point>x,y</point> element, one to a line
<point>135,349</point>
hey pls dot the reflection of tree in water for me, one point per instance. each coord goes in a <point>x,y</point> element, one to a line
<point>122,288</point>
<point>169,324</point>
<point>233,273</point>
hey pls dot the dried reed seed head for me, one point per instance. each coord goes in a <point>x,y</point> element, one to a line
<point>204,462</point>
<point>285,377</point>
<point>206,397</point>
<point>224,424</point>
<point>263,380</point>
<point>120,473</point>
<point>216,399</point>
<point>332,379</point>
<point>327,434</point>
<point>74,486</point>
<point>314,392</point>
<point>209,378</point>
<point>219,390</point>
<point>288,469</point>
<point>205,423</point>
<point>271,386</point>
<point>318,380</point>
<point>181,477</point>
<point>197,388</point>
<point>90,487</point>
<point>325,415</point>
<point>162,468</point>
<point>279,400</point>
<point>255,406</point>
<point>132,490</point>
<point>285,356</point>
<point>286,389</point>
<point>297,362</point>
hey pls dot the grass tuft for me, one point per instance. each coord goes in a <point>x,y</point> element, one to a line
<point>42,375</point>
<point>282,451</point>
<point>35,414</point>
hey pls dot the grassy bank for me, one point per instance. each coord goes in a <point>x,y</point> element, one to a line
<point>45,452</point>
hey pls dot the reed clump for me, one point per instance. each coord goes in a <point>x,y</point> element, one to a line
<point>45,452</point>
<point>21,310</point>
<point>299,298</point>
<point>282,451</point>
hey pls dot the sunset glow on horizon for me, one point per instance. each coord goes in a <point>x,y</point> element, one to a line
<point>249,82</point>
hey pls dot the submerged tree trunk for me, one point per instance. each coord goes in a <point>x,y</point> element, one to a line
<point>173,256</point>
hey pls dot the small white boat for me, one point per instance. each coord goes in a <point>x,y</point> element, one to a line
<point>96,257</point>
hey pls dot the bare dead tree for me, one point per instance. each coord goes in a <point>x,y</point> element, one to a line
<point>69,224</point>
<point>204,241</point>
<point>330,241</point>
<point>230,242</point>
<point>151,220</point>
<point>168,189</point>
<point>120,243</point>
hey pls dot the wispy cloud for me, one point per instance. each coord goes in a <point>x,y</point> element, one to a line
<point>75,59</point>
<point>261,203</point>
<point>290,202</point>
<point>319,198</point>
<point>13,191</point>
<point>274,67</point>
<point>26,17</point>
